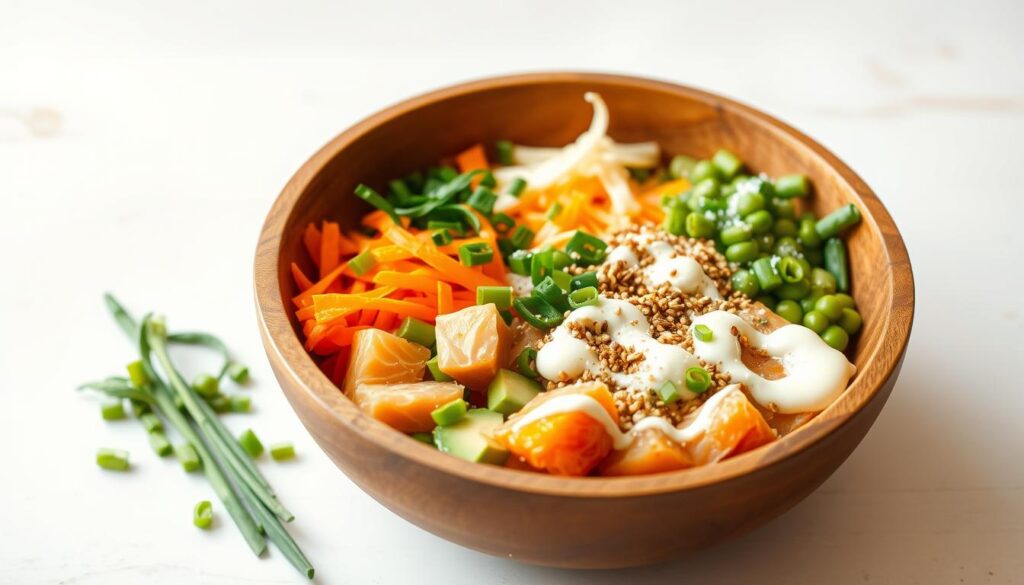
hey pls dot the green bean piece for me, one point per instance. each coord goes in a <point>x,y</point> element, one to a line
<point>680,166</point>
<point>707,188</point>
<point>808,234</point>
<point>187,456</point>
<point>202,515</point>
<point>836,263</point>
<point>500,296</point>
<point>675,220</point>
<point>836,337</point>
<point>783,209</point>
<point>450,413</point>
<point>766,274</point>
<point>793,291</point>
<point>250,443</point>
<point>834,223</point>
<point>727,163</point>
<point>698,226</point>
<point>789,186</point>
<point>815,256</point>
<point>746,282</point>
<point>787,246</point>
<point>506,151</point>
<point>735,234</point>
<point>823,279</point>
<point>785,228</point>
<point>765,242</point>
<point>850,320</point>
<point>668,393</point>
<point>697,379</point>
<point>703,170</point>
<point>790,311</point>
<point>742,252</point>
<point>816,321</point>
<point>112,459</point>
<point>112,410</point>
<point>282,451</point>
<point>526,362</point>
<point>206,385</point>
<point>749,202</point>
<point>161,446</point>
<point>760,222</point>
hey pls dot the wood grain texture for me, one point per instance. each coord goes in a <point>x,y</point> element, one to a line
<point>588,522</point>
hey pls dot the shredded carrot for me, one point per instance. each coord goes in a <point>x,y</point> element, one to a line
<point>367,317</point>
<point>330,307</point>
<point>391,253</point>
<point>311,239</point>
<point>410,280</point>
<point>330,253</point>
<point>385,320</point>
<point>347,246</point>
<point>301,280</point>
<point>453,270</point>
<point>445,300</point>
<point>471,159</point>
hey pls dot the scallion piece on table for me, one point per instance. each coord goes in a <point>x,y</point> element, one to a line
<point>250,443</point>
<point>703,333</point>
<point>206,385</point>
<point>187,456</point>
<point>112,459</point>
<point>282,451</point>
<point>668,393</point>
<point>589,249</point>
<point>476,253</point>
<point>583,297</point>
<point>202,515</point>
<point>505,151</point>
<point>537,312</point>
<point>697,379</point>
<point>161,446</point>
<point>363,262</point>
<point>450,413</point>
<point>500,296</point>
<point>416,331</point>
<point>238,372</point>
<point>239,404</point>
<point>112,410</point>
<point>526,362</point>
<point>151,422</point>
<point>137,374</point>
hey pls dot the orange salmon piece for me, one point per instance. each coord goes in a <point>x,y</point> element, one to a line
<point>736,427</point>
<point>379,357</point>
<point>472,345</point>
<point>405,407</point>
<point>650,452</point>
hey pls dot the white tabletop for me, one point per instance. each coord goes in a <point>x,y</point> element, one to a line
<point>141,146</point>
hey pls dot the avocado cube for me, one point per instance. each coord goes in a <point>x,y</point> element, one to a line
<point>509,392</point>
<point>469,438</point>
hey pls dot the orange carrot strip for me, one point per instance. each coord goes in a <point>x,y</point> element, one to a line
<point>330,254</point>
<point>471,159</point>
<point>358,287</point>
<point>367,317</point>
<point>416,282</point>
<point>445,300</point>
<point>391,253</point>
<point>378,220</point>
<point>332,307</point>
<point>346,246</point>
<point>384,320</point>
<point>311,239</point>
<point>301,280</point>
<point>302,299</point>
<point>305,313</point>
<point>464,295</point>
<point>669,188</point>
<point>452,269</point>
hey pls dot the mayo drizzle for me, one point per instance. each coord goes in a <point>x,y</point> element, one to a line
<point>816,374</point>
<point>681,272</point>
<point>621,440</point>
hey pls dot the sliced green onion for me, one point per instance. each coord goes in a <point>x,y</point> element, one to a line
<point>583,281</point>
<point>451,413</point>
<point>187,456</point>
<point>563,279</point>
<point>766,275</point>
<point>400,191</point>
<point>112,410</point>
<point>453,227</point>
<point>375,199</point>
<point>542,265</point>
<point>505,152</point>
<point>589,249</point>
<point>151,422</point>
<point>500,296</point>
<point>239,404</point>
<point>703,333</point>
<point>522,237</point>
<point>112,459</point>
<point>506,316</point>
<point>482,200</point>
<point>669,393</point>
<point>441,237</point>
<point>417,331</point>
<point>790,269</point>
<point>251,443</point>
<point>476,253</point>
<point>363,263</point>
<point>554,210</point>
<point>502,223</point>
<point>697,380</point>
<point>202,515</point>
<point>220,404</point>
<point>519,262</point>
<point>435,371</point>
<point>517,186</point>
<point>161,446</point>
<point>583,297</point>
<point>206,385</point>
<point>552,294</point>
<point>282,451</point>
<point>137,374</point>
<point>526,362</point>
<point>537,312</point>
<point>488,180</point>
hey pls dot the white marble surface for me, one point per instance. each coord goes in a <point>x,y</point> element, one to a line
<point>163,131</point>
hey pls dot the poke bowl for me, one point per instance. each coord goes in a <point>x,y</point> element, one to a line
<point>582,320</point>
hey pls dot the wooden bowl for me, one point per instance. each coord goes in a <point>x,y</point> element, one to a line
<point>578,522</point>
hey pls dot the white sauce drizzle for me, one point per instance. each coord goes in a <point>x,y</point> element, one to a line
<point>565,357</point>
<point>816,374</point>
<point>621,440</point>
<point>521,285</point>
<point>682,272</point>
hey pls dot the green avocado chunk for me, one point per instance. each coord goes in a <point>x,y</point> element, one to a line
<point>509,392</point>
<point>469,438</point>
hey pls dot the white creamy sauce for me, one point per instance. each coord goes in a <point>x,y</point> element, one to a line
<point>621,440</point>
<point>816,374</point>
<point>679,271</point>
<point>565,357</point>
<point>521,285</point>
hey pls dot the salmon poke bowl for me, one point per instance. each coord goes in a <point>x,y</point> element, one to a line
<point>582,299</point>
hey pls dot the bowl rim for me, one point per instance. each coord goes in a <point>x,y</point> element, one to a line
<point>883,360</point>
